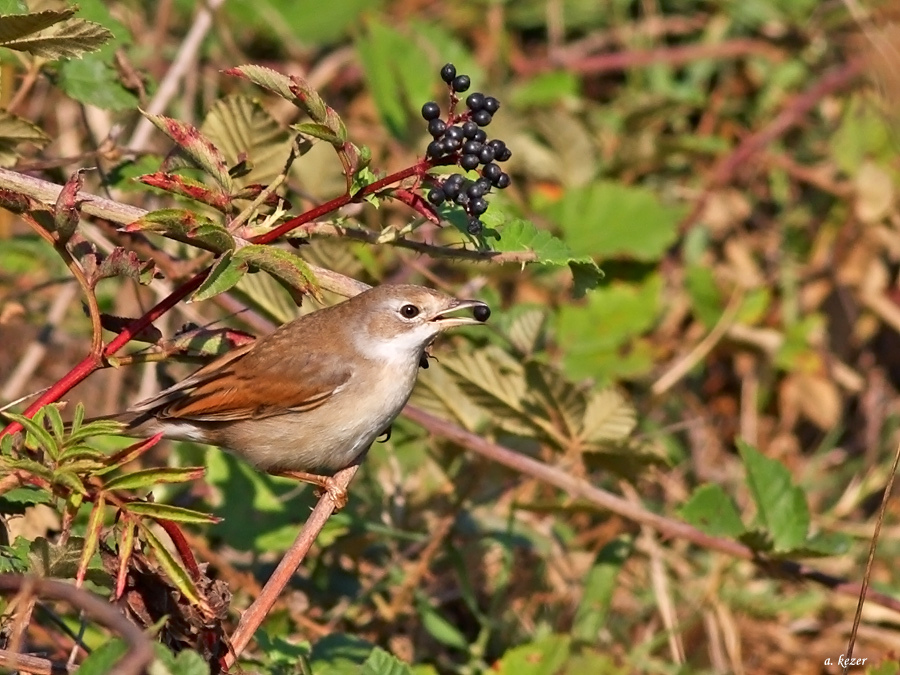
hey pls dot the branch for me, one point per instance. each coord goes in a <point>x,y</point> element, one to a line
<point>254,615</point>
<point>140,649</point>
<point>578,488</point>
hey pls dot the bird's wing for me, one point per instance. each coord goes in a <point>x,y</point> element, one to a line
<point>237,386</point>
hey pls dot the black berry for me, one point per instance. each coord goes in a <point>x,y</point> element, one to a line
<point>451,189</point>
<point>477,206</point>
<point>469,129</point>
<point>456,178</point>
<point>431,110</point>
<point>486,155</point>
<point>485,183</point>
<point>472,147</point>
<point>503,155</point>
<point>480,136</point>
<point>474,226</point>
<point>461,198</point>
<point>461,83</point>
<point>454,133</point>
<point>482,118</point>
<point>475,101</point>
<point>492,172</point>
<point>469,162</point>
<point>448,72</point>
<point>475,190</point>
<point>434,149</point>
<point>491,104</point>
<point>481,313</point>
<point>436,196</point>
<point>436,127</point>
<point>503,181</point>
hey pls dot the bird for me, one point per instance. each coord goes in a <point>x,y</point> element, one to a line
<point>310,398</point>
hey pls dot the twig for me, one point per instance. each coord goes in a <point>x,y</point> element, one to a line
<point>169,86</point>
<point>576,487</point>
<point>140,649</point>
<point>863,591</point>
<point>34,353</point>
<point>254,615</point>
<point>32,664</point>
<point>704,347</point>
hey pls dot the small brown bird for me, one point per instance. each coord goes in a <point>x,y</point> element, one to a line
<point>315,394</point>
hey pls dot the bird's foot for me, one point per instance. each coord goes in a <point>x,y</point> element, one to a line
<point>326,486</point>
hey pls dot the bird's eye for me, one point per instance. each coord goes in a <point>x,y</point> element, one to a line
<point>409,311</point>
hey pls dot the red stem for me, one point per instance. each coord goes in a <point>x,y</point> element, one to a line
<point>93,362</point>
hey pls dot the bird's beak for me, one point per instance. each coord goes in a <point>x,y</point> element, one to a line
<point>480,313</point>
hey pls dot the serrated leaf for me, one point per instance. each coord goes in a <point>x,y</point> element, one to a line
<point>147,478</point>
<point>37,436</point>
<point>606,219</point>
<point>175,572</point>
<point>55,560</point>
<point>281,264</point>
<point>496,383</point>
<point>119,263</point>
<point>92,81</point>
<point>545,656</point>
<point>188,187</point>
<point>294,89</point>
<point>781,506</point>
<point>712,510</point>
<point>245,131</point>
<point>525,328</point>
<point>16,26</point>
<point>320,131</point>
<point>381,662</point>
<point>27,495</point>
<point>70,40</point>
<point>169,512</point>
<point>222,276</point>
<point>185,226</point>
<point>608,418</point>
<point>438,393</point>
<point>560,401</point>
<point>67,477</point>
<point>55,420</point>
<point>196,146</point>
<point>26,465</point>
<point>15,129</point>
<point>91,539</point>
<point>522,235</point>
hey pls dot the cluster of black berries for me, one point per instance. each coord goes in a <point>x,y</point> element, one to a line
<point>461,140</point>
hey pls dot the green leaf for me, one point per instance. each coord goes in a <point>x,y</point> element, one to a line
<point>545,656</point>
<point>522,235</point>
<point>781,507</point>
<point>712,510</point>
<point>102,660</point>
<point>381,662</point>
<point>281,264</point>
<point>185,226</point>
<point>605,220</point>
<point>175,572</point>
<point>15,130</point>
<point>339,654</point>
<point>590,617</point>
<point>608,418</point>
<point>27,495</point>
<point>37,436</point>
<point>168,512</point>
<point>392,65</point>
<point>70,39</point>
<point>92,537</point>
<point>625,311</point>
<point>440,628</point>
<point>294,89</point>
<point>147,478</point>
<point>16,26</point>
<point>319,131</point>
<point>243,130</point>
<point>706,300</point>
<point>92,81</point>
<point>202,152</point>
<point>55,560</point>
<point>223,275</point>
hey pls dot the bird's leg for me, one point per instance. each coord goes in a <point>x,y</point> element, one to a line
<point>326,485</point>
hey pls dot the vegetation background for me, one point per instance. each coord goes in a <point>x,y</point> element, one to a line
<point>728,387</point>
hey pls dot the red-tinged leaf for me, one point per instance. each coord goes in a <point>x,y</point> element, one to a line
<point>251,192</point>
<point>130,453</point>
<point>67,215</point>
<point>176,573</point>
<point>126,548</point>
<point>222,276</point>
<point>208,341</point>
<point>177,514</point>
<point>196,146</point>
<point>18,203</point>
<point>294,89</point>
<point>281,264</point>
<point>91,538</point>
<point>147,478</point>
<point>116,324</point>
<point>320,131</point>
<point>119,263</point>
<point>334,122</point>
<point>187,187</point>
<point>418,203</point>
<point>187,227</point>
<point>308,99</point>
